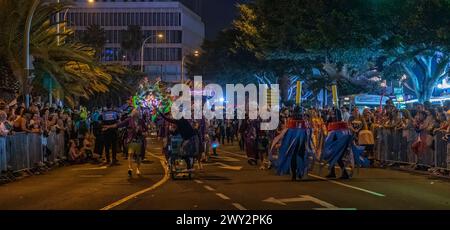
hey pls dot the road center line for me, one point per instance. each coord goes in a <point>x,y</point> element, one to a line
<point>239,206</point>
<point>223,196</point>
<point>153,187</point>
<point>209,188</point>
<point>348,186</point>
<point>198,181</point>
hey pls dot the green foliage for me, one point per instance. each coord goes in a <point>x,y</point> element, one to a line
<point>95,37</point>
<point>72,65</point>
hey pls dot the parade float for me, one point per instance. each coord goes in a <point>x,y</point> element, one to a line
<point>151,95</point>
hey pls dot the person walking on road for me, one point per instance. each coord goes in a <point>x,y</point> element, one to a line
<point>229,133</point>
<point>134,139</point>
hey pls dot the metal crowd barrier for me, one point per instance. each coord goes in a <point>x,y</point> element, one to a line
<point>55,145</point>
<point>394,146</point>
<point>3,162</point>
<point>23,151</point>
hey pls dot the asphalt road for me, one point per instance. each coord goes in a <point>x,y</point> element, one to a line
<point>226,183</point>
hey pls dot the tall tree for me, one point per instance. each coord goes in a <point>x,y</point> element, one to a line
<point>95,37</point>
<point>131,42</point>
<point>418,39</point>
<point>72,65</point>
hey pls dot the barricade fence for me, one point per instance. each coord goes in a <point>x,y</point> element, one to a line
<point>397,146</point>
<point>24,151</point>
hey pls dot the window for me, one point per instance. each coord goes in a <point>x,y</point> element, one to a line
<point>177,19</point>
<point>145,19</point>
<point>158,19</point>
<point>168,19</point>
<point>153,22</point>
<point>111,18</point>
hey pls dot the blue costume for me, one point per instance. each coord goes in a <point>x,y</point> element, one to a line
<point>295,152</point>
<point>339,143</point>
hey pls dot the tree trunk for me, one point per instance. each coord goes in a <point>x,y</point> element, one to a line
<point>284,87</point>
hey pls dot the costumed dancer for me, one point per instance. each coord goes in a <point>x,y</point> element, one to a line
<point>336,144</point>
<point>295,152</point>
<point>319,132</point>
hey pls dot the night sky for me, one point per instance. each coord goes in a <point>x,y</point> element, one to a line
<point>216,14</point>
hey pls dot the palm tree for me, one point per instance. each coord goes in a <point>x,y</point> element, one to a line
<point>131,42</point>
<point>95,37</point>
<point>72,65</point>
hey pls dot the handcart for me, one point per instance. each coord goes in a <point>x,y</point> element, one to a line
<point>179,159</point>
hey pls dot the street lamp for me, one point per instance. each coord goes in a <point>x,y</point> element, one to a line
<point>196,54</point>
<point>160,36</point>
<point>27,57</point>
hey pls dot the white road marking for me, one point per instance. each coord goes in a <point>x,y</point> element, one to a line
<point>198,182</point>
<point>135,195</point>
<point>239,206</point>
<point>348,186</point>
<point>208,188</point>
<point>224,166</point>
<point>319,202</point>
<point>285,201</point>
<point>305,198</point>
<point>234,154</point>
<point>223,196</point>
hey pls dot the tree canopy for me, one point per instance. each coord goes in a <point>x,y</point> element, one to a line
<point>353,42</point>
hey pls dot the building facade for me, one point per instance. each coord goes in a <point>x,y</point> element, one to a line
<point>183,32</point>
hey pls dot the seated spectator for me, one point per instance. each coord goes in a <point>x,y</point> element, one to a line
<point>75,154</point>
<point>88,146</point>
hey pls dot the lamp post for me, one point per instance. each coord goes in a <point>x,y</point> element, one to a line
<point>58,42</point>
<point>160,36</point>
<point>57,23</point>
<point>27,51</point>
<point>196,54</point>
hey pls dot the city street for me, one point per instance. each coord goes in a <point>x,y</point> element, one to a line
<point>227,183</point>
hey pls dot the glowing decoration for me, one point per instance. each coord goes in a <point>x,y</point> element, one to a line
<point>335,95</point>
<point>298,98</point>
<point>152,95</point>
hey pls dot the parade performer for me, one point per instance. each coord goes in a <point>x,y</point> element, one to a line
<point>319,132</point>
<point>186,131</point>
<point>135,139</point>
<point>339,143</point>
<point>295,152</point>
